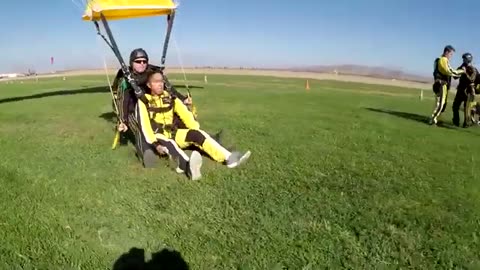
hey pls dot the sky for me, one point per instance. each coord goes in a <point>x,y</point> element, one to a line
<point>406,34</point>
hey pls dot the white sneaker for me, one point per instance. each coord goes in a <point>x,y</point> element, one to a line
<point>195,165</point>
<point>237,158</point>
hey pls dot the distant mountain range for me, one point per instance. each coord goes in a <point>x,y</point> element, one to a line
<point>359,70</point>
<point>355,70</point>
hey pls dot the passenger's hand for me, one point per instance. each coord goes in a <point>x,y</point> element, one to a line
<point>161,150</point>
<point>122,127</point>
<point>188,101</point>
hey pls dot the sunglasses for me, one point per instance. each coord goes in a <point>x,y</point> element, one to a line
<point>141,61</point>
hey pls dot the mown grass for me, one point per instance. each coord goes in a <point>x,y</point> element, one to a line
<point>343,176</point>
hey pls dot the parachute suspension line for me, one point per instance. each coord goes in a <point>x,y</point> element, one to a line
<point>106,71</point>
<point>181,63</point>
<point>89,3</point>
<point>75,2</point>
<point>170,20</point>
<point>111,89</point>
<point>112,43</point>
<point>109,82</point>
<point>104,38</point>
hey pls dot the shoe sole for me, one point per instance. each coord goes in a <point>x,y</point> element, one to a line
<point>195,165</point>
<point>240,161</point>
<point>149,159</point>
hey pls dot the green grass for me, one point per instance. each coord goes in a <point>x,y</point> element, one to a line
<point>344,176</point>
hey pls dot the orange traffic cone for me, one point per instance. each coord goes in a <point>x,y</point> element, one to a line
<point>307,86</point>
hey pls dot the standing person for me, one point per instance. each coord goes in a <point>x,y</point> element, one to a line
<point>465,90</point>
<point>442,75</point>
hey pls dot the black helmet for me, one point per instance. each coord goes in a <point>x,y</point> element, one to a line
<point>467,58</point>
<point>138,53</point>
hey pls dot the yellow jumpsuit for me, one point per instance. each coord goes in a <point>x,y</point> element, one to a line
<point>443,74</point>
<point>156,123</point>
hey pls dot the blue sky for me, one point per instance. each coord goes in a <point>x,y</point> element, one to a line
<point>405,34</point>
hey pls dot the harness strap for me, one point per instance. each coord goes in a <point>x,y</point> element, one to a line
<point>440,81</point>
<point>473,74</point>
<point>160,110</point>
<point>437,75</point>
<point>157,127</point>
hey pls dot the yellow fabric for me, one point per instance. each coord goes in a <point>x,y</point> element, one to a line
<point>145,125</point>
<point>445,68</point>
<point>441,99</point>
<point>126,9</point>
<point>187,117</point>
<point>209,146</point>
<point>163,118</point>
<point>444,95</point>
<point>467,109</point>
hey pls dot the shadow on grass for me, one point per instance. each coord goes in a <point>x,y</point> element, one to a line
<point>125,137</point>
<point>110,117</point>
<point>190,86</point>
<point>411,116</point>
<point>163,260</point>
<point>84,90</point>
<point>89,90</point>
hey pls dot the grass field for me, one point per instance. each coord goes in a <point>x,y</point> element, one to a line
<point>343,176</point>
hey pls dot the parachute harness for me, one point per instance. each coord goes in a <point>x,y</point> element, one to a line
<point>471,77</point>
<point>113,45</point>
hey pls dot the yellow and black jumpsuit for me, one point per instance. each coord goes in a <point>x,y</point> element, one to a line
<point>442,74</point>
<point>126,101</point>
<point>156,123</point>
<point>125,93</point>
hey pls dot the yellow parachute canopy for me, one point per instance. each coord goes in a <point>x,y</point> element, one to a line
<point>127,9</point>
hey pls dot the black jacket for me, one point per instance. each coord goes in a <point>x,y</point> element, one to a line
<point>471,76</point>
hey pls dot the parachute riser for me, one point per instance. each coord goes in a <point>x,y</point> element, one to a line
<point>104,38</point>
<point>127,74</point>
<point>170,20</point>
<point>113,45</point>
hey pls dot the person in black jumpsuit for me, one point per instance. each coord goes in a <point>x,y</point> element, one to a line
<point>465,91</point>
